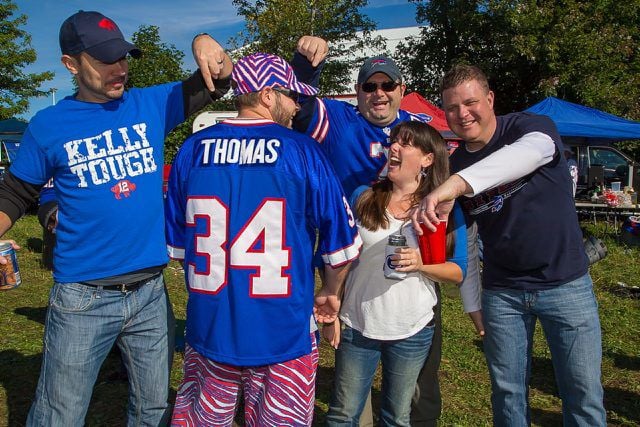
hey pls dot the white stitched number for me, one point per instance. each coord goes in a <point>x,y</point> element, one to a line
<point>208,245</point>
<point>259,246</point>
<point>352,221</point>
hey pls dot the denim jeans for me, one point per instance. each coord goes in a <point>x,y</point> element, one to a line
<point>82,324</point>
<point>356,362</point>
<point>569,318</point>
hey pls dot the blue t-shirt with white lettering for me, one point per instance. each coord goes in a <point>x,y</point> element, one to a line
<point>245,200</point>
<point>106,160</point>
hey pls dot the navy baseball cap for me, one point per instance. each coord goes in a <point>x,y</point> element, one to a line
<point>379,64</point>
<point>94,33</point>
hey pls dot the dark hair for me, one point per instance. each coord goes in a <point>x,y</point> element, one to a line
<point>372,204</point>
<point>463,73</point>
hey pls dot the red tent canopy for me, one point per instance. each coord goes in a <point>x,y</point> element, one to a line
<point>415,103</point>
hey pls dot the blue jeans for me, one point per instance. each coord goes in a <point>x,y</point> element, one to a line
<point>81,326</point>
<point>569,318</point>
<point>356,362</point>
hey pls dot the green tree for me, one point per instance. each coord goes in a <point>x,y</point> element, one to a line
<point>589,51</point>
<point>582,51</point>
<point>466,31</point>
<point>16,86</point>
<point>275,26</point>
<point>160,63</point>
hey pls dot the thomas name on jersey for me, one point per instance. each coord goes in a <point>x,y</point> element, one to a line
<point>242,151</point>
<point>111,155</point>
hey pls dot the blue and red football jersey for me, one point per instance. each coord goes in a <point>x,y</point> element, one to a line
<point>245,200</point>
<point>357,148</point>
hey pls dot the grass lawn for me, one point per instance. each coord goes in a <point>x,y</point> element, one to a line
<point>464,378</point>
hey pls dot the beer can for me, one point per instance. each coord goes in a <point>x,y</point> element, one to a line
<point>395,241</point>
<point>9,272</point>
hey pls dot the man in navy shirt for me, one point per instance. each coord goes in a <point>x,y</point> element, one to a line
<point>511,178</point>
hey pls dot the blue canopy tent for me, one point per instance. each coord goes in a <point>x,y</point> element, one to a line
<point>12,127</point>
<point>588,133</point>
<point>584,124</point>
<point>11,131</point>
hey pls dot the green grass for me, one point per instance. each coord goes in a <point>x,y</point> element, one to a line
<point>464,378</point>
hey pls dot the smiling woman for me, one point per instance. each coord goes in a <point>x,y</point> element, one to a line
<point>390,317</point>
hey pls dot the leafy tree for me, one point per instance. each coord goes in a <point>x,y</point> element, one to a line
<point>160,63</point>
<point>582,51</point>
<point>16,86</point>
<point>466,31</point>
<point>275,26</point>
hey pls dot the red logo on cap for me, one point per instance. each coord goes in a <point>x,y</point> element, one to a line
<point>107,24</point>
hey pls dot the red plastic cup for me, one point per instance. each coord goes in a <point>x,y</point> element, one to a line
<point>433,244</point>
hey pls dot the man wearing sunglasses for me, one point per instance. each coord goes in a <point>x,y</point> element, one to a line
<point>379,90</point>
<point>356,139</point>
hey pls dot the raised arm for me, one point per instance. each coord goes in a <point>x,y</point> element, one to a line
<point>212,60</point>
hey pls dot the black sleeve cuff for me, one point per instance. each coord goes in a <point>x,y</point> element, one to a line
<point>196,95</point>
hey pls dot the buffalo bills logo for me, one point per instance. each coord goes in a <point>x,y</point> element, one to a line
<point>378,62</point>
<point>498,202</point>
<point>123,188</point>
<point>107,24</point>
<point>452,146</point>
<point>388,262</point>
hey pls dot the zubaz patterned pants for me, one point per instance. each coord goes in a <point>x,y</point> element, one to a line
<point>281,394</point>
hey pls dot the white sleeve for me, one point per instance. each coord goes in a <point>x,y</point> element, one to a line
<point>513,161</point>
<point>470,288</point>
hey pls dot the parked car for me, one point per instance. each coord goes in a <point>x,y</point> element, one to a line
<point>600,165</point>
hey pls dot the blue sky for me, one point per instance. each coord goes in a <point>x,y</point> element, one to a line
<point>178,21</point>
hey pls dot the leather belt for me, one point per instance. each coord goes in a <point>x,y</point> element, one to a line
<point>122,287</point>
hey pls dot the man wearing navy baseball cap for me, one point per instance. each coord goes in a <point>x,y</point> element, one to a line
<point>97,35</point>
<point>265,190</point>
<point>103,146</point>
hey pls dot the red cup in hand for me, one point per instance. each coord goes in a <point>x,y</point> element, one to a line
<point>433,244</point>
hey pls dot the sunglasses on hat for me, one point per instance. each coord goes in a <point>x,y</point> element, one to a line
<point>387,86</point>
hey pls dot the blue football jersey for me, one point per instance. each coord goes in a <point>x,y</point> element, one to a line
<point>245,201</point>
<point>356,147</point>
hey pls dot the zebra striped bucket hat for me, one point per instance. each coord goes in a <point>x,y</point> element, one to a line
<point>261,70</point>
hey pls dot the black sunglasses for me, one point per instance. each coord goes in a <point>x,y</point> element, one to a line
<point>387,86</point>
<point>295,96</point>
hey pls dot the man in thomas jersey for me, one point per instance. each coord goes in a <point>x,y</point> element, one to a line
<point>356,139</point>
<point>245,200</point>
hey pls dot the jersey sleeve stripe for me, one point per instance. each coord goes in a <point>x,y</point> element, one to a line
<point>321,129</point>
<point>175,252</point>
<point>344,255</point>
